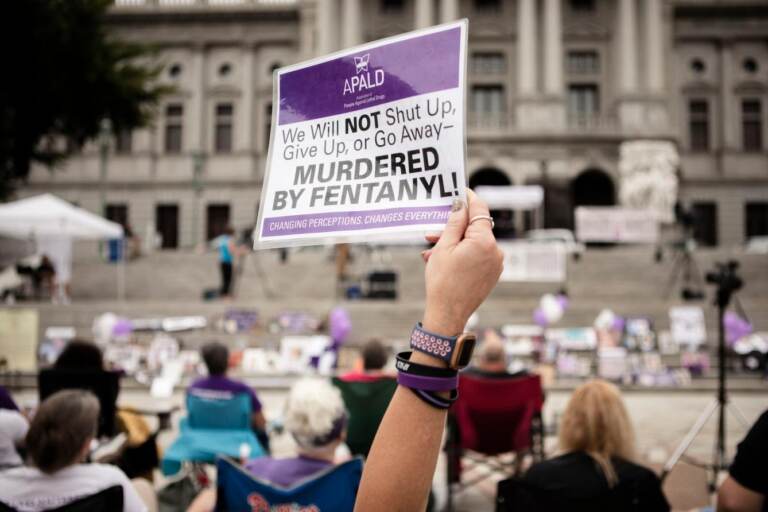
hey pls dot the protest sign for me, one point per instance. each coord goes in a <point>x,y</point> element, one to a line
<point>616,225</point>
<point>368,142</point>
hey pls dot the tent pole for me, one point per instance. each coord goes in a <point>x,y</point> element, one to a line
<point>121,273</point>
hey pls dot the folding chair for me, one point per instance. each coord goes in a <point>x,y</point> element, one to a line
<point>213,427</point>
<point>332,490</point>
<point>366,402</point>
<point>110,498</point>
<point>493,418</point>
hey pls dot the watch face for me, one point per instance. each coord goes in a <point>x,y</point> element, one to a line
<point>466,347</point>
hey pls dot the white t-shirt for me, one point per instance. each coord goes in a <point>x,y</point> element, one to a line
<point>13,430</point>
<point>30,490</point>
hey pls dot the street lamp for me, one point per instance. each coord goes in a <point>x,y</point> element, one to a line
<point>105,139</point>
<point>198,161</point>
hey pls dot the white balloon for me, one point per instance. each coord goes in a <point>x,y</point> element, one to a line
<point>102,328</point>
<point>605,320</point>
<point>551,307</point>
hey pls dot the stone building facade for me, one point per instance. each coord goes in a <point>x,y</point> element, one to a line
<point>554,87</point>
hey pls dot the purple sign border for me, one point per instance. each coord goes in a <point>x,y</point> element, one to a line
<point>413,66</point>
<point>301,230</point>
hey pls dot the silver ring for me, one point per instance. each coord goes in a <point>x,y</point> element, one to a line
<point>483,217</point>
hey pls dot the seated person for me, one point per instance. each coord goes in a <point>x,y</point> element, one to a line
<point>316,419</point>
<point>80,355</point>
<point>218,385</point>
<point>13,430</point>
<point>57,443</point>
<point>373,358</point>
<point>596,468</point>
<point>6,400</point>
<point>746,488</point>
<point>492,359</point>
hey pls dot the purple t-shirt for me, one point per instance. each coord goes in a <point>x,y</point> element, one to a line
<point>285,472</point>
<point>219,386</point>
<point>6,401</point>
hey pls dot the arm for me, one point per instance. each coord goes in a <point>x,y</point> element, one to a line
<point>461,271</point>
<point>734,497</point>
<point>258,422</point>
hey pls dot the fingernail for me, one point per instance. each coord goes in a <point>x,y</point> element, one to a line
<point>458,204</point>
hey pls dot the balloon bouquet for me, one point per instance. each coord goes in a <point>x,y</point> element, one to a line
<point>551,309</point>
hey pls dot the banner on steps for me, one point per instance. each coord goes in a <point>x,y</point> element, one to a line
<point>367,143</point>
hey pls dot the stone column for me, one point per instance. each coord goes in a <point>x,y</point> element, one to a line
<point>245,124</point>
<point>195,120</point>
<point>627,47</point>
<point>449,11</point>
<point>352,22</point>
<point>654,46</point>
<point>327,32</point>
<point>526,47</point>
<point>723,120</point>
<point>553,48</point>
<point>424,15</point>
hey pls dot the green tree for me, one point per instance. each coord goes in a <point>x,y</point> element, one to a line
<point>63,74</point>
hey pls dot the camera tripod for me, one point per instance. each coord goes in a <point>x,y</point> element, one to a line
<point>727,283</point>
<point>684,263</point>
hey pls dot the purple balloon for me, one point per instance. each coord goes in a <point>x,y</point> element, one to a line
<point>618,323</point>
<point>340,325</point>
<point>735,327</point>
<point>563,301</point>
<point>122,327</point>
<point>540,318</point>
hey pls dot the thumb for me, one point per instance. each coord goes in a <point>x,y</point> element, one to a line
<point>456,226</point>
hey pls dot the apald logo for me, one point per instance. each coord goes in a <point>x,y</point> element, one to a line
<point>363,80</point>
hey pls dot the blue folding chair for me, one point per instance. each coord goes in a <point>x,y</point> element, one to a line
<point>213,426</point>
<point>332,490</point>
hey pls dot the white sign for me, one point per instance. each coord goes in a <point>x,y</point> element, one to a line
<point>688,326</point>
<point>618,225</point>
<point>527,197</point>
<point>533,262</point>
<point>368,142</point>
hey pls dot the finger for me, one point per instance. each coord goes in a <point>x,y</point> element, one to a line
<point>426,254</point>
<point>432,238</point>
<point>457,224</point>
<point>478,207</point>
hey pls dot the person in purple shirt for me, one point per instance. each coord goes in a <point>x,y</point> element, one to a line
<point>218,385</point>
<point>316,419</point>
<point>6,400</point>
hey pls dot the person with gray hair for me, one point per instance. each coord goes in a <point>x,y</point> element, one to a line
<point>58,441</point>
<point>317,420</point>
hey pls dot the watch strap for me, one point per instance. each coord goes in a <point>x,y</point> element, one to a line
<point>432,344</point>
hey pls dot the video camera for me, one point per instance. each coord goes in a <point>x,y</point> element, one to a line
<point>725,277</point>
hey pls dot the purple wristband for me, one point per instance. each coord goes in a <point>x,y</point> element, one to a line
<point>428,383</point>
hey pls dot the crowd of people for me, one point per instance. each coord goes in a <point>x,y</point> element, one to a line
<point>46,456</point>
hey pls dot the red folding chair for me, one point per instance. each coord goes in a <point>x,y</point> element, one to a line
<point>496,422</point>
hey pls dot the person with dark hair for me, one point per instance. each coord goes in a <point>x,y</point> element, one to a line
<point>57,443</point>
<point>375,355</point>
<point>228,249</point>
<point>746,488</point>
<point>218,385</point>
<point>80,355</point>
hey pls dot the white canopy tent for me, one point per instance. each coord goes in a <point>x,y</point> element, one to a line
<point>54,223</point>
<point>48,215</point>
<point>528,197</point>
